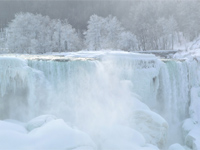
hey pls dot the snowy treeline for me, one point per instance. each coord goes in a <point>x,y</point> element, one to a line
<point>161,24</point>
<point>149,25</point>
<point>2,38</point>
<point>108,33</point>
<point>29,33</point>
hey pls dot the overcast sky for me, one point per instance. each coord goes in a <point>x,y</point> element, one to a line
<point>77,11</point>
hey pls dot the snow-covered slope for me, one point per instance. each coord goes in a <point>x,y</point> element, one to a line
<point>102,100</point>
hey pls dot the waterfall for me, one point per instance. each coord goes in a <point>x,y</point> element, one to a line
<point>91,91</point>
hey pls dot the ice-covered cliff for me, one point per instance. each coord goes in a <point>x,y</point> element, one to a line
<point>112,100</point>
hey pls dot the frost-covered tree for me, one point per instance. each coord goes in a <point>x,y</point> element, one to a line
<point>29,33</point>
<point>188,18</point>
<point>103,33</point>
<point>161,24</point>
<point>93,35</point>
<point>167,29</point>
<point>2,39</point>
<point>171,29</point>
<point>56,26</point>
<point>127,41</point>
<point>43,38</point>
<point>70,41</point>
<point>142,21</point>
<point>112,31</point>
<point>17,33</point>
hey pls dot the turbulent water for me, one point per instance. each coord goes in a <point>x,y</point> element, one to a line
<point>95,91</point>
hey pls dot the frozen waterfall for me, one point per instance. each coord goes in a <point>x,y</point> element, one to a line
<point>104,100</point>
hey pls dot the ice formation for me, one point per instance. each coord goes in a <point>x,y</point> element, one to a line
<point>19,88</point>
<point>55,134</point>
<point>104,100</point>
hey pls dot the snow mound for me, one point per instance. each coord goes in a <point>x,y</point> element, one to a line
<point>187,126</point>
<point>191,126</point>
<point>151,125</point>
<point>122,138</point>
<point>57,134</point>
<point>195,104</point>
<point>189,54</point>
<point>39,121</point>
<point>176,146</point>
<point>54,134</point>
<point>9,126</point>
<point>193,138</point>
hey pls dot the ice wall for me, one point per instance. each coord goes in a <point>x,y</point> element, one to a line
<point>97,92</point>
<point>19,86</point>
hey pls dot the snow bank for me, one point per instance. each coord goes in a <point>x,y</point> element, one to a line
<point>191,126</point>
<point>152,126</point>
<point>54,134</point>
<point>193,138</point>
<point>195,104</point>
<point>39,121</point>
<point>12,127</point>
<point>187,54</point>
<point>50,133</point>
<point>187,126</point>
<point>120,138</point>
<point>176,147</point>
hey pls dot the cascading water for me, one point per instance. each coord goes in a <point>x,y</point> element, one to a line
<point>103,94</point>
<point>19,86</point>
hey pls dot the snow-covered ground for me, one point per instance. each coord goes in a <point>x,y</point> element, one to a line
<point>99,101</point>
